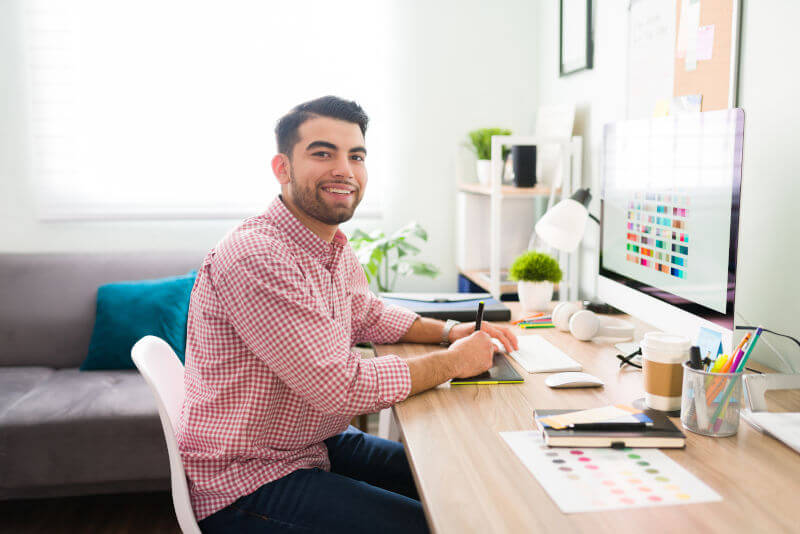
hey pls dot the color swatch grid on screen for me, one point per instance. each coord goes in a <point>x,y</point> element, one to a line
<point>656,232</point>
<point>590,480</point>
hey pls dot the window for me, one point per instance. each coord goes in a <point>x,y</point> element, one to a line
<point>166,108</point>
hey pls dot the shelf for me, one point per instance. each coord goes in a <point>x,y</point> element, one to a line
<point>483,282</point>
<point>478,280</point>
<point>506,190</point>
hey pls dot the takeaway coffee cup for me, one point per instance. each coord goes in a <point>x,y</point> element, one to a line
<point>662,358</point>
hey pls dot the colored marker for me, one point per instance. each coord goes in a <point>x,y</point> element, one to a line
<point>719,363</point>
<point>739,352</point>
<point>716,418</point>
<point>744,340</point>
<point>741,364</point>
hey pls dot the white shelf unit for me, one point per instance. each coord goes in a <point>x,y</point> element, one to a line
<point>571,152</point>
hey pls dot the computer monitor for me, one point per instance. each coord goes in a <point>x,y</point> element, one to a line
<point>670,220</point>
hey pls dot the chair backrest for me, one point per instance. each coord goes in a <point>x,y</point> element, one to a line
<point>163,372</point>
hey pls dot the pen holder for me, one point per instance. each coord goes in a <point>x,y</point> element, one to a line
<point>711,402</point>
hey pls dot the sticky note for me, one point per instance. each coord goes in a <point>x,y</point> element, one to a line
<point>705,42</point>
<point>662,108</point>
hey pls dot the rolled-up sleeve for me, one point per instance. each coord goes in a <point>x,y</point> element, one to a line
<point>373,320</point>
<point>274,311</point>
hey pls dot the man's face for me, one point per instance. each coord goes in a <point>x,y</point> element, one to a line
<point>327,175</point>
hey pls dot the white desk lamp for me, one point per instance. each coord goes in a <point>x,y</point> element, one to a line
<point>563,226</point>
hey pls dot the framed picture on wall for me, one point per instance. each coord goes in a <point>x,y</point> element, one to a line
<point>575,46</point>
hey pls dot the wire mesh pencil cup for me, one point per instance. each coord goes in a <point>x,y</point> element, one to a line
<point>711,402</point>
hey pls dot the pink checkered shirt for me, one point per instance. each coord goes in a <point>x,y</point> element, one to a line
<point>270,370</point>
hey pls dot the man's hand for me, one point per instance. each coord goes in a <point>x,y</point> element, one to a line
<point>473,354</point>
<point>503,333</point>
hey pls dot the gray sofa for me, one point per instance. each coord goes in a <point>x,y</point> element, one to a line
<point>64,431</point>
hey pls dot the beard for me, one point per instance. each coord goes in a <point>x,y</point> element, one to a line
<point>311,201</point>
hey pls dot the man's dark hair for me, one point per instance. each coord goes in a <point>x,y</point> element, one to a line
<point>326,106</point>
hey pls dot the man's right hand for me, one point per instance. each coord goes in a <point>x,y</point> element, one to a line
<point>473,354</point>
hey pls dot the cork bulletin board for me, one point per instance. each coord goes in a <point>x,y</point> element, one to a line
<point>707,51</point>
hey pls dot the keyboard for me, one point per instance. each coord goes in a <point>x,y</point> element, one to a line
<point>537,355</point>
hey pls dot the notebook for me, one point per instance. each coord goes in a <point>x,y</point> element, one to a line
<point>662,434</point>
<point>501,372</point>
<point>456,306</point>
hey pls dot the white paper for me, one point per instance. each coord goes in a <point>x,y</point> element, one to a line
<point>591,480</point>
<point>693,24</point>
<point>705,42</point>
<point>686,104</point>
<point>783,426</point>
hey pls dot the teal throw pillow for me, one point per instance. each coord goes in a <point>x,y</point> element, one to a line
<point>128,311</point>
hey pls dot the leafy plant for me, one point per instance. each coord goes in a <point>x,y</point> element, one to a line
<point>481,141</point>
<point>534,266</point>
<point>384,258</point>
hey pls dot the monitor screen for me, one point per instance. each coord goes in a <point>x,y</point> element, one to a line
<point>670,210</point>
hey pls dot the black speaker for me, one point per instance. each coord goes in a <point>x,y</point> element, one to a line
<point>524,159</point>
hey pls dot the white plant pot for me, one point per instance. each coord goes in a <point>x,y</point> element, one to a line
<point>484,167</point>
<point>535,296</point>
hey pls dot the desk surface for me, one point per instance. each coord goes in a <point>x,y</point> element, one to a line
<point>470,481</point>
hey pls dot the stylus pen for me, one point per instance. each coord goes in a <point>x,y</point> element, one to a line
<point>479,316</point>
<point>609,426</point>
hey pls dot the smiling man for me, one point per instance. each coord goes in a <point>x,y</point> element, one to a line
<point>271,376</point>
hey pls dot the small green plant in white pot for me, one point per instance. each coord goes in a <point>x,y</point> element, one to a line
<point>535,272</point>
<point>481,145</point>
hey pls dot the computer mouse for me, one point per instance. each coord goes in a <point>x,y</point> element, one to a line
<point>573,380</point>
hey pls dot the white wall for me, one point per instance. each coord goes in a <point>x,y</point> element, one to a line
<point>451,81</point>
<point>768,287</point>
<point>598,95</point>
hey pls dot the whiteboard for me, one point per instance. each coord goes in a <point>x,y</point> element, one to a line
<point>651,50</point>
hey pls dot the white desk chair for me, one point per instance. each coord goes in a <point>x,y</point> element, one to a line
<point>163,372</point>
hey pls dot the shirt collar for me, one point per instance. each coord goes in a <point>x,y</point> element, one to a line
<point>279,215</point>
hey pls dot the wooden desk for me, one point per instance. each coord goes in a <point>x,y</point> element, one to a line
<point>470,481</point>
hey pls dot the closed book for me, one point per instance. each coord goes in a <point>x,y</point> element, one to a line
<point>662,434</point>
<point>456,306</point>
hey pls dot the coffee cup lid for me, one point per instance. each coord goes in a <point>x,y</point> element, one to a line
<point>663,342</point>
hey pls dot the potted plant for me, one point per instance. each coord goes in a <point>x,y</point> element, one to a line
<point>481,144</point>
<point>535,272</point>
<point>385,258</point>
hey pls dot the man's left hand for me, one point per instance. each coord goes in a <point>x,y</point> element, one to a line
<point>502,333</point>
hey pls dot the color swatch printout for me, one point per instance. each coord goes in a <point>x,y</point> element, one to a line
<point>657,232</point>
<point>591,480</point>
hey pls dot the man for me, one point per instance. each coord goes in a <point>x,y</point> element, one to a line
<point>271,378</point>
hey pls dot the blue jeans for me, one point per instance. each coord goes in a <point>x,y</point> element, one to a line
<point>369,489</point>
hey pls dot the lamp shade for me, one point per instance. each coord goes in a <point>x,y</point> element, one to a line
<point>563,226</point>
